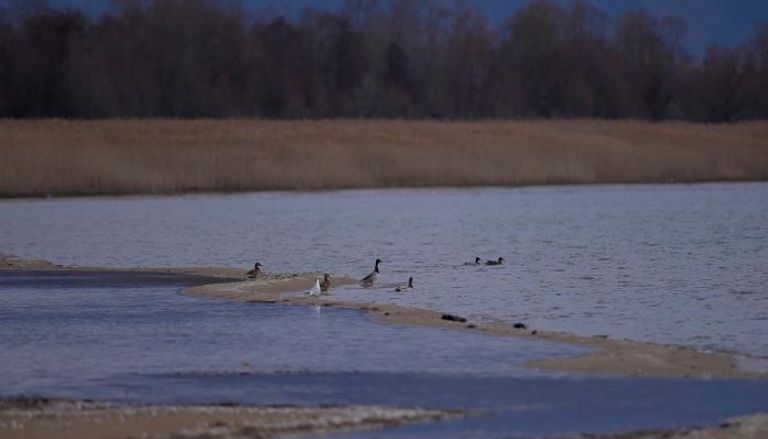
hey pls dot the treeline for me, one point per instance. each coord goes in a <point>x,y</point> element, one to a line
<point>383,59</point>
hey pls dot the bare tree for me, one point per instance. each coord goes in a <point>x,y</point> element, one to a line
<point>372,58</point>
<point>651,54</point>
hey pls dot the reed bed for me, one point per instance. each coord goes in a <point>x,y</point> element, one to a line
<point>63,157</point>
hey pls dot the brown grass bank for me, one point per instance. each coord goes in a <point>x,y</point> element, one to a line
<point>57,157</point>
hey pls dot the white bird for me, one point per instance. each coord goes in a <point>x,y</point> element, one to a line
<point>315,290</point>
<point>368,281</point>
<point>404,288</point>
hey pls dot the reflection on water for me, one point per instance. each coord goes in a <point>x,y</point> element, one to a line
<point>674,264</point>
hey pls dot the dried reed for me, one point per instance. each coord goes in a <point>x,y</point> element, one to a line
<point>58,157</point>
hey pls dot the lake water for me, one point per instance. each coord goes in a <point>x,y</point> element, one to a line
<point>683,264</point>
<point>133,339</point>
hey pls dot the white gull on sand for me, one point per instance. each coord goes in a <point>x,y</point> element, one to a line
<point>315,290</point>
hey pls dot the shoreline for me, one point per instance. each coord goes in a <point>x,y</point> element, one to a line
<point>287,191</point>
<point>741,427</point>
<point>23,418</point>
<point>610,356</point>
<point>8,262</point>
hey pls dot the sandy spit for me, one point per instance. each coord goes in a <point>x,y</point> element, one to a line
<point>58,419</point>
<point>619,357</point>
<point>11,262</point>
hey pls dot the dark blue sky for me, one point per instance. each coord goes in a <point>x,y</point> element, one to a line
<point>724,22</point>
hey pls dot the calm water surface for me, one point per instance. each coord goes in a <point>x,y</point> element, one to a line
<point>674,264</point>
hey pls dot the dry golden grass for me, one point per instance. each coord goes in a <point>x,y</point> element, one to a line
<point>57,157</point>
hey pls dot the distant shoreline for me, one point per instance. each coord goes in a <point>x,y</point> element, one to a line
<point>207,193</point>
<point>60,158</point>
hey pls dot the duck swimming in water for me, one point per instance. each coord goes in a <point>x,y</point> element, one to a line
<point>315,290</point>
<point>477,262</point>
<point>496,262</point>
<point>404,288</point>
<point>325,285</point>
<point>368,281</point>
<point>253,274</point>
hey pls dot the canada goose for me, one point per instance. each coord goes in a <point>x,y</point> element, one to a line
<point>477,262</point>
<point>253,274</point>
<point>497,262</point>
<point>325,285</point>
<point>315,290</point>
<point>403,288</point>
<point>368,281</point>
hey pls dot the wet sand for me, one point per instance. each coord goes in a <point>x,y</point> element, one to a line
<point>54,419</point>
<point>10,262</point>
<point>746,427</point>
<point>44,419</point>
<point>223,273</point>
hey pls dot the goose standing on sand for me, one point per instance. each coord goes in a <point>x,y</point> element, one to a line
<point>477,262</point>
<point>496,262</point>
<point>404,288</point>
<point>253,274</point>
<point>368,281</point>
<point>315,290</point>
<point>325,285</point>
